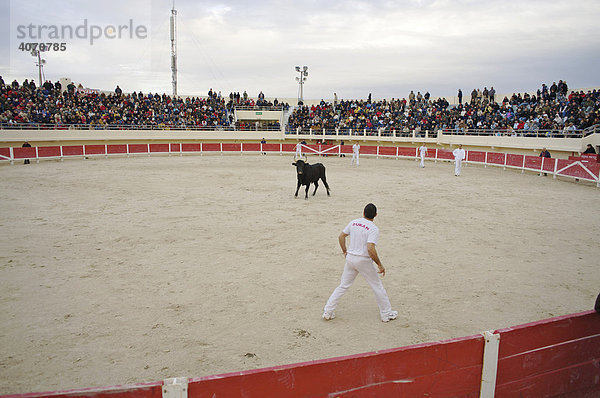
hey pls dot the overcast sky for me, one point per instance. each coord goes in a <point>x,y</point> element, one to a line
<point>353,48</point>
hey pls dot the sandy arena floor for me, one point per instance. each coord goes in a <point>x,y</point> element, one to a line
<point>127,270</point>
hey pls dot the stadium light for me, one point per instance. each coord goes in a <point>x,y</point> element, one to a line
<point>303,76</point>
<point>40,63</point>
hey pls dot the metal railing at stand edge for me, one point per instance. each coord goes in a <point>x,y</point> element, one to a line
<point>381,132</point>
<point>79,126</point>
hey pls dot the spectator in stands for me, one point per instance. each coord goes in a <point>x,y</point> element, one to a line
<point>460,95</point>
<point>118,91</point>
<point>589,149</point>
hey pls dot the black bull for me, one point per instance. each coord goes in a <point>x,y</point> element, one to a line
<point>310,173</point>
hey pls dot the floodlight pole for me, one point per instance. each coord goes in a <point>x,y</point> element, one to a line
<point>39,64</point>
<point>174,49</point>
<point>303,74</point>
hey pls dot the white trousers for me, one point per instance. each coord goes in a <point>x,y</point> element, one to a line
<point>363,265</point>
<point>299,153</point>
<point>457,166</point>
<point>422,161</point>
<point>354,158</point>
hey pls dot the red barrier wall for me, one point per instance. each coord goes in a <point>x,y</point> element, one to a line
<point>160,148</point>
<point>270,147</point>
<point>442,369</point>
<point>288,147</point>
<point>495,158</point>
<point>94,149</point>
<point>514,160</point>
<point>403,151</point>
<point>387,150</point>
<point>227,147</point>
<point>24,153</point>
<point>190,147</point>
<point>557,357</point>
<point>533,162</point>
<point>5,152</point>
<point>211,147</point>
<point>548,164</point>
<point>551,357</point>
<point>251,147</point>
<point>48,151</point>
<point>346,149</point>
<point>138,148</point>
<point>368,150</point>
<point>175,147</point>
<point>476,156</point>
<point>115,149</point>
<point>142,390</point>
<point>72,150</point>
<point>444,154</point>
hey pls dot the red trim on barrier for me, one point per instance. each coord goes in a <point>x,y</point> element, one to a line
<point>72,150</point>
<point>577,169</point>
<point>308,149</point>
<point>138,148</point>
<point>346,149</point>
<point>160,148</point>
<point>24,153</point>
<point>329,149</point>
<point>141,390</point>
<point>175,148</point>
<point>211,147</point>
<point>548,164</point>
<point>447,367</point>
<point>514,160</point>
<point>444,154</point>
<point>116,149</point>
<point>288,147</point>
<point>250,147</point>
<point>227,147</point>
<point>190,147</point>
<point>476,156</point>
<point>94,149</point>
<point>5,152</point>
<point>550,357</point>
<point>368,150</point>
<point>270,147</point>
<point>533,162</point>
<point>404,151</point>
<point>495,158</point>
<point>48,151</point>
<point>387,150</point>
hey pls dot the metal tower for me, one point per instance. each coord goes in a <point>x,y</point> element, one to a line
<point>174,49</point>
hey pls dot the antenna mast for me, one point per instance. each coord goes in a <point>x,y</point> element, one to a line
<point>174,49</point>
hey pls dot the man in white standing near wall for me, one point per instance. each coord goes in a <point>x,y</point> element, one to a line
<point>355,153</point>
<point>459,155</point>
<point>299,150</point>
<point>422,153</point>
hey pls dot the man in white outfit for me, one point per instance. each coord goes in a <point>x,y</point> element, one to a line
<point>299,150</point>
<point>422,153</point>
<point>355,153</point>
<point>459,155</point>
<point>360,255</point>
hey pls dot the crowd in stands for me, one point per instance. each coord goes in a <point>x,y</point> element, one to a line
<point>25,103</point>
<point>551,108</point>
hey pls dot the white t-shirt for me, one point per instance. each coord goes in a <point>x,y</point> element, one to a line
<point>459,153</point>
<point>355,148</point>
<point>423,150</point>
<point>361,231</point>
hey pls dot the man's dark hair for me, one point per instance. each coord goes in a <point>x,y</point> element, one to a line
<point>370,211</point>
